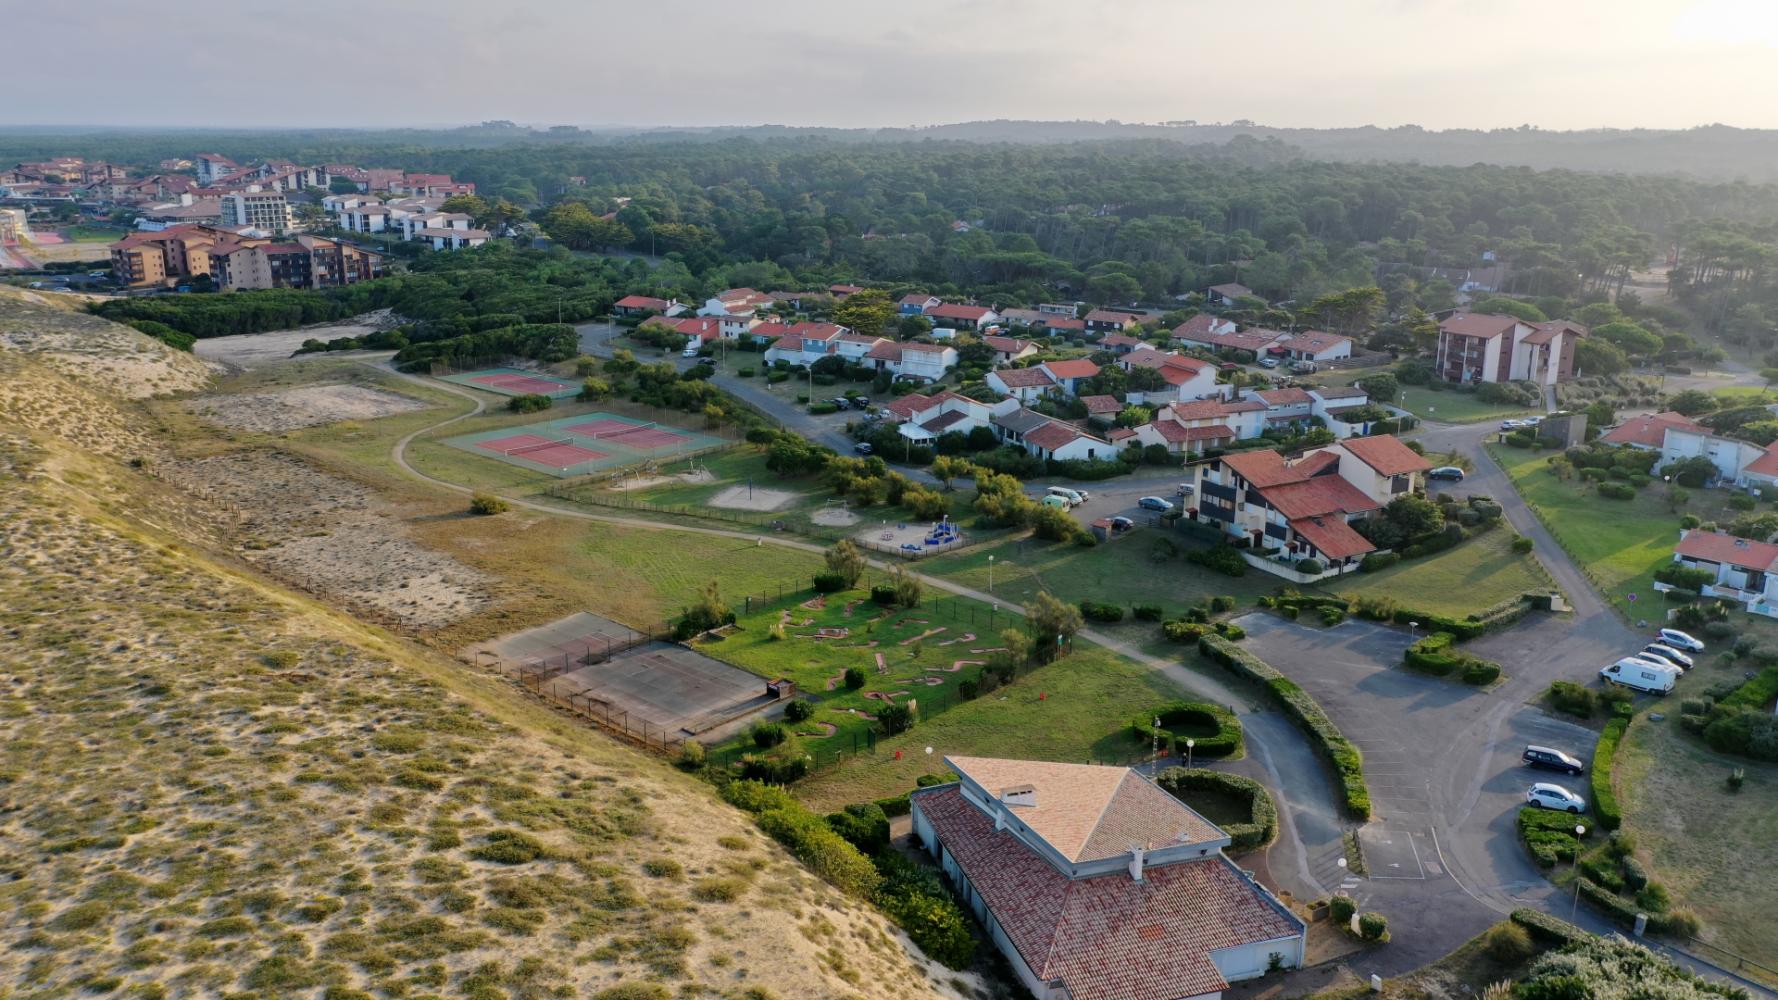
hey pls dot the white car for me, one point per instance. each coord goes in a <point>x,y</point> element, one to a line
<point>1679,640</point>
<point>1660,653</point>
<point>1544,795</point>
<point>1268,362</point>
<point>1513,425</point>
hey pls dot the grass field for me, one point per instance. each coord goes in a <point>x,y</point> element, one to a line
<point>1452,407</point>
<point>1477,574</point>
<point>93,234</point>
<point>1714,849</point>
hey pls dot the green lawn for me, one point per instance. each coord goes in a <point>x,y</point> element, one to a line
<point>1618,543</point>
<point>1477,574</point>
<point>1713,849</point>
<point>1126,571</point>
<point>1453,407</point>
<point>93,234</point>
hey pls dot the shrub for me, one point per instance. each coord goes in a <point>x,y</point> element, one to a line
<point>756,796</point>
<point>1221,603</point>
<point>1508,943</point>
<point>1372,925</point>
<point>1549,835</point>
<point>1224,559</point>
<point>1261,827</point>
<point>798,710</point>
<point>1433,654</point>
<point>1378,560</point>
<point>884,594</point>
<point>1347,762</point>
<point>1310,567</point>
<point>766,735</point>
<point>1547,929</point>
<point>1230,631</point>
<point>1341,909</point>
<point>895,718</point>
<point>864,825</point>
<point>1635,876</point>
<point>1617,491</point>
<point>692,755</point>
<point>1183,631</point>
<point>509,847</point>
<point>826,853</point>
<point>1719,630</point>
<point>1605,804</point>
<point>1225,742</point>
<point>854,678</point>
<point>487,504</point>
<point>1095,611</point>
<point>1480,672</point>
<point>529,402</point>
<point>779,770</point>
<point>828,583</point>
<point>1522,545</point>
<point>1147,613</point>
<point>1572,699</point>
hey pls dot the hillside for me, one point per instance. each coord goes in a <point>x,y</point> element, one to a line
<point>213,786</point>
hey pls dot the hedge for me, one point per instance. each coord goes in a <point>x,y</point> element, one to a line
<point>1226,742</point>
<point>1224,559</point>
<point>1756,693</point>
<point>1548,929</point>
<point>1549,836</point>
<point>1096,611</point>
<point>1347,762</point>
<point>1605,804</point>
<point>1261,827</point>
<point>825,852</point>
<point>1430,655</point>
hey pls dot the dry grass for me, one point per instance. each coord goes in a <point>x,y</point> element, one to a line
<point>115,357</point>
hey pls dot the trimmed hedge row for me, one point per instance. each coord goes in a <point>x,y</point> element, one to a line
<point>1605,804</point>
<point>1347,762</point>
<point>1547,929</point>
<point>1755,694</point>
<point>1436,655</point>
<point>1261,827</point>
<point>807,835</point>
<point>1549,836</point>
<point>1226,742</point>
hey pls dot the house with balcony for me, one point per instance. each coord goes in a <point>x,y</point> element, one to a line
<point>1110,320</point>
<point>923,418</point>
<point>1197,426</point>
<point>736,302</point>
<point>1312,346</point>
<point>962,317</point>
<point>1289,510</point>
<point>1068,375</point>
<point>916,303</point>
<point>1027,385</point>
<point>1186,377</point>
<point>1483,347</point>
<point>1254,340</point>
<point>1677,437</point>
<point>1745,570</point>
<point>1009,349</point>
<point>1097,884</point>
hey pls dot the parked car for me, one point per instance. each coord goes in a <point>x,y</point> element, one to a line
<point>1051,500</point>
<point>691,351</point>
<point>1555,760</point>
<point>1512,425</point>
<point>1544,795</point>
<point>1074,497</point>
<point>1679,640</point>
<point>862,448</point>
<point>1303,367</point>
<point>1122,523</point>
<point>842,402</point>
<point>1641,675</point>
<point>1185,490</point>
<point>98,274</point>
<point>1155,503</point>
<point>1268,362</point>
<point>1450,472</point>
<point>1659,652</point>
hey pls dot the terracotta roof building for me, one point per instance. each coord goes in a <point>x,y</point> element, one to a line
<point>1650,429</point>
<point>1099,885</point>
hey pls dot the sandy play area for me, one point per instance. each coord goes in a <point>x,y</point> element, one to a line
<point>645,482</point>
<point>251,350</point>
<point>752,498</point>
<point>834,517</point>
<point>305,406</point>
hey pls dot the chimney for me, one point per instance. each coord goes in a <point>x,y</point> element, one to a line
<point>1136,856</point>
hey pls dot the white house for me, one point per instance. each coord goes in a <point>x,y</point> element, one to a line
<point>1200,326</point>
<point>1027,385</point>
<point>1097,884</point>
<point>1009,349</point>
<point>1186,377</point>
<point>736,302</point>
<point>801,343</point>
<point>700,331</point>
<point>1678,437</point>
<point>924,418</point>
<point>1746,570</point>
<point>1224,337</point>
<point>1046,437</point>
<point>962,317</point>
<point>1201,424</point>
<point>927,362</point>
<point>1226,294</point>
<point>1313,345</point>
<point>1068,375</point>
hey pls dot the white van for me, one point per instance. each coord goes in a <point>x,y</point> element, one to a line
<point>1641,675</point>
<point>1074,497</point>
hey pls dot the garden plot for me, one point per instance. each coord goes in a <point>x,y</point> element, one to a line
<point>305,406</point>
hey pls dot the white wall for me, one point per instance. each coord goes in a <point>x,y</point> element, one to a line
<point>1250,961</point>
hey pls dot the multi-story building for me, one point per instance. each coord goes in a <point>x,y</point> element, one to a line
<point>262,209</point>
<point>1480,347</point>
<point>1098,884</point>
<point>164,256</point>
<point>213,167</point>
<point>306,262</point>
<point>15,225</point>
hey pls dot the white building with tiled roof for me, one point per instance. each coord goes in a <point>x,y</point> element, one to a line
<point>1098,885</point>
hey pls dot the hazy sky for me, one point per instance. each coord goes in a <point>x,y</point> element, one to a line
<point>1437,63</point>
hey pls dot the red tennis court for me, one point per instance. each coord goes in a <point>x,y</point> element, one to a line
<point>540,449</point>
<point>626,434</point>
<point>521,383</point>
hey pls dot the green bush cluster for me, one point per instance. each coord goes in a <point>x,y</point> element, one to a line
<point>807,835</point>
<point>1547,929</point>
<point>1148,612</point>
<point>1573,699</point>
<point>1347,762</point>
<point>829,583</point>
<point>1378,560</point>
<point>1261,827</point>
<point>1437,655</point>
<point>1100,612</point>
<point>1549,835</point>
<point>1183,631</point>
<point>1605,804</point>
<point>1224,559</point>
<point>1226,743</point>
<point>918,901</point>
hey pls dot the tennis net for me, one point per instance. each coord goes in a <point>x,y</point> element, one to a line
<point>621,431</point>
<point>528,448</point>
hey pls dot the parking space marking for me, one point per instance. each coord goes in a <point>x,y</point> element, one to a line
<point>1384,857</point>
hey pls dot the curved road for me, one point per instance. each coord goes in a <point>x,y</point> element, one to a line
<point>1441,759</point>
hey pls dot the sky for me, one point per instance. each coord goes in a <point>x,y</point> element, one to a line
<point>1557,64</point>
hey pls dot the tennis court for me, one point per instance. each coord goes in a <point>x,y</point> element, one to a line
<point>514,382</point>
<point>593,442</point>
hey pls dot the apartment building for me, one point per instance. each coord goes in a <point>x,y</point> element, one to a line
<point>306,262</point>
<point>262,209</point>
<point>1481,347</point>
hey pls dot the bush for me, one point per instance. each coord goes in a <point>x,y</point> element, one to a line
<point>1310,567</point>
<point>487,504</point>
<point>854,678</point>
<point>1147,613</point>
<point>1508,943</point>
<point>1230,631</point>
<point>1372,926</point>
<point>1378,560</point>
<point>884,594</point>
<point>1480,672</point>
<point>1549,835</point>
<point>1347,762</point>
<point>774,770</point>
<point>529,402</point>
<point>828,583</point>
<point>1340,909</point>
<point>1605,804</point>
<point>826,853</point>
<point>1617,491</point>
<point>798,710</point>
<point>1548,930</point>
<point>1224,559</point>
<point>1522,545</point>
<point>864,825</point>
<point>1719,630</point>
<point>1572,699</point>
<point>1221,603</point>
<point>1226,742</point>
<point>895,718</point>
<point>1261,827</point>
<point>766,735</point>
<point>1184,631</point>
<point>1433,655</point>
<point>1108,613</point>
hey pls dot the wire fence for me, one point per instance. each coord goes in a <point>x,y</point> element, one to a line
<point>1731,961</point>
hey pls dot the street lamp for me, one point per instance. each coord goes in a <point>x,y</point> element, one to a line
<point>1155,740</point>
<point>1573,911</point>
<point>1189,743</point>
<point>991,579</point>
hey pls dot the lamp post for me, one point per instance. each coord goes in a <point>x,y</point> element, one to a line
<point>1574,910</point>
<point>1189,743</point>
<point>991,578</point>
<point>1155,740</point>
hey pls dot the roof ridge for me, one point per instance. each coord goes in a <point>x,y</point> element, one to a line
<point>1109,799</point>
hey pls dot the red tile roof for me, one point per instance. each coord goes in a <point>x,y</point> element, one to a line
<point>1102,404</point>
<point>1543,333</point>
<point>1317,496</point>
<point>908,405</point>
<point>1314,341</point>
<point>641,302</point>
<point>1064,323</point>
<point>1108,937</point>
<point>1054,435</point>
<point>1172,430</point>
<point>1487,326</point>
<point>1766,464</point>
<point>1719,548</point>
<point>951,310</point>
<point>1112,316</point>
<point>1077,368</point>
<point>1006,345</point>
<point>1262,468</point>
<point>1332,536</point>
<point>916,299</point>
<point>1023,378</point>
<point>1231,290</point>
<point>1385,454</point>
<point>1285,397</point>
<point>1198,326</point>
<point>1119,340</point>
<point>1650,429</point>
